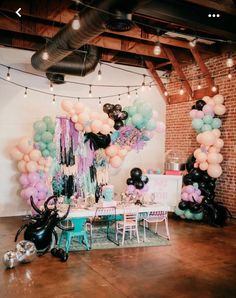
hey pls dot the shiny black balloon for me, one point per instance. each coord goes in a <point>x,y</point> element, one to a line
<point>200,104</point>
<point>111,115</point>
<point>54,251</point>
<point>136,173</point>
<point>139,184</point>
<point>187,179</point>
<point>183,205</point>
<point>129,181</point>
<point>124,115</point>
<point>202,185</point>
<point>196,175</point>
<point>193,107</point>
<point>107,107</point>
<point>118,107</point>
<point>195,208</point>
<point>118,124</point>
<point>211,185</point>
<point>145,179</point>
<point>116,115</point>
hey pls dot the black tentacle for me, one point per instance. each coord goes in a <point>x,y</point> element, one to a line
<point>20,230</point>
<point>56,237</point>
<point>34,206</point>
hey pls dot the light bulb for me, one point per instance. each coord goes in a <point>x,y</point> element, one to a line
<point>143,86</point>
<point>136,93</point>
<point>213,89</point>
<point>8,74</point>
<point>181,91</point>
<point>166,93</point>
<point>199,86</point>
<point>100,102</point>
<point>99,75</point>
<point>128,95</point>
<point>90,91</point>
<point>45,55</point>
<point>193,43</point>
<point>25,94</point>
<point>229,75</point>
<point>150,86</point>
<point>53,99</point>
<point>230,62</point>
<point>51,86</point>
<point>119,97</point>
<point>75,23</point>
<point>157,49</point>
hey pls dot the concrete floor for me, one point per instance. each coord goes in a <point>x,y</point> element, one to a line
<point>200,262</point>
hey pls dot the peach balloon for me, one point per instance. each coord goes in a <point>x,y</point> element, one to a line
<point>219,109</point>
<point>83,118</point>
<point>211,102</point>
<point>75,118</point>
<point>206,98</point>
<point>94,115</point>
<point>16,154</point>
<point>220,158</point>
<point>208,138</point>
<point>96,126</point>
<point>104,117</point>
<point>105,129</point>
<point>87,129</point>
<point>79,107</point>
<point>31,166</point>
<point>218,99</point>
<point>35,155</point>
<point>66,105</point>
<point>219,143</point>
<point>213,150</point>
<point>199,138</point>
<point>42,161</point>
<point>203,166</point>
<point>112,150</point>
<point>72,112</point>
<point>115,161</point>
<point>212,157</point>
<point>78,126</point>
<point>196,152</point>
<point>128,148</point>
<point>22,166</point>
<point>25,145</point>
<point>111,122</point>
<point>26,158</point>
<point>216,132</point>
<point>201,157</point>
<point>122,153</point>
<point>41,168</point>
<point>214,170</point>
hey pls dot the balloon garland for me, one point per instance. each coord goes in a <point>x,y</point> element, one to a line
<point>203,166</point>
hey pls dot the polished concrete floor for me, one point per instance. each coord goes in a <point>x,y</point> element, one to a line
<point>200,262</point>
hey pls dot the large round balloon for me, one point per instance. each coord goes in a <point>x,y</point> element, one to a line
<point>129,181</point>
<point>187,179</point>
<point>200,104</point>
<point>118,124</point>
<point>139,184</point>
<point>136,173</point>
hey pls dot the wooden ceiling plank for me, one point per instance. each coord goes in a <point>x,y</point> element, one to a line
<point>163,64</point>
<point>179,70</point>
<point>202,66</point>
<point>160,86</point>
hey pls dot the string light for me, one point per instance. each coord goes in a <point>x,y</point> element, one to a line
<point>53,99</point>
<point>199,84</point>
<point>75,23</point>
<point>25,94</point>
<point>8,74</point>
<point>99,73</point>
<point>229,75</point>
<point>78,98</point>
<point>193,43</point>
<point>45,55</point>
<point>51,86</point>
<point>128,94</point>
<point>136,93</point>
<point>150,86</point>
<point>181,90</point>
<point>90,90</point>
<point>229,61</point>
<point>157,49</point>
<point>213,88</point>
<point>100,101</point>
<point>118,97</point>
<point>143,83</point>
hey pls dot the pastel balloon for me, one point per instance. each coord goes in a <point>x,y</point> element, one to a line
<point>184,196</point>
<point>160,127</point>
<point>212,157</point>
<point>25,145</point>
<point>47,120</point>
<point>16,154</point>
<point>83,118</point>
<point>219,109</point>
<point>31,166</point>
<point>132,110</point>
<point>94,115</point>
<point>196,152</point>
<point>35,155</point>
<point>40,126</point>
<point>216,123</point>
<point>122,153</point>
<point>66,105</point>
<point>88,128</point>
<point>137,119</point>
<point>41,196</point>
<point>105,129</point>
<point>206,127</point>
<point>31,192</point>
<point>211,102</point>
<point>207,138</point>
<point>218,99</point>
<point>220,158</point>
<point>214,170</point>
<point>42,161</point>
<point>151,125</point>
<point>96,125</point>
<point>130,188</point>
<point>75,118</point>
<point>23,194</point>
<point>208,110</point>
<point>47,137</point>
<point>79,107</point>
<point>41,187</point>
<point>203,166</point>
<point>26,157</point>
<point>201,157</point>
<point>197,123</point>
<point>189,189</point>
<point>21,165</point>
<point>45,153</point>
<point>193,113</point>
<point>116,161</point>
<point>207,119</point>
<point>33,178</point>
<point>78,126</point>
<point>111,151</point>
<point>199,114</point>
<point>155,115</point>
<point>216,132</point>
<point>219,143</point>
<point>24,180</point>
<point>213,149</point>
<point>111,122</point>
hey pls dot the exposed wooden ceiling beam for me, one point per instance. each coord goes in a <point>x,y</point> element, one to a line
<point>160,86</point>
<point>163,64</point>
<point>178,70</point>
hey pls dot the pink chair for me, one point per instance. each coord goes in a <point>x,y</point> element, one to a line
<point>156,217</point>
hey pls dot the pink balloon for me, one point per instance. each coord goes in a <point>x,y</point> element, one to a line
<point>105,129</point>
<point>203,166</point>
<point>75,118</point>
<point>16,154</point>
<point>184,196</point>
<point>31,191</point>
<point>189,189</point>
<point>193,113</point>
<point>212,158</point>
<point>112,150</point>
<point>218,99</point>
<point>33,178</point>
<point>160,127</point>
<point>122,153</point>
<point>207,138</point>
<point>216,132</point>
<point>41,187</point>
<point>199,114</point>
<point>83,118</point>
<point>23,194</point>
<point>195,196</point>
<point>96,126</point>
<point>41,196</point>
<point>79,126</point>
<point>213,149</point>
<point>219,109</point>
<point>130,188</point>
<point>66,105</point>
<point>190,197</point>
<point>214,170</point>
<point>201,156</point>
<point>219,143</point>
<point>208,110</point>
<point>220,158</point>
<point>24,181</point>
<point>116,161</point>
<point>79,107</point>
<point>145,188</point>
<point>198,192</point>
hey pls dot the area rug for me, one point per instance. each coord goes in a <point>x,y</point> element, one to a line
<point>100,240</point>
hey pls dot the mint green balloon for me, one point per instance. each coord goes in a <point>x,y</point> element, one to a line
<point>51,128</point>
<point>128,121</point>
<point>146,110</point>
<point>47,137</point>
<point>198,216</point>
<point>151,125</point>
<point>132,110</point>
<point>126,109</point>
<point>47,119</point>
<point>37,137</point>
<point>197,123</point>
<point>206,127</point>
<point>137,119</point>
<point>216,123</point>
<point>39,126</point>
<point>45,153</point>
<point>51,147</point>
<point>42,146</point>
<point>207,119</point>
<point>178,211</point>
<point>188,214</point>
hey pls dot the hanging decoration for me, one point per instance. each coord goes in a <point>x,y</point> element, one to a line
<point>203,166</point>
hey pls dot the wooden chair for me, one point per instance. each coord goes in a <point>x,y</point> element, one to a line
<point>156,217</point>
<point>129,224</point>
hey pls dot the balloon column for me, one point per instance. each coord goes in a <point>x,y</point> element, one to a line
<point>203,165</point>
<point>137,181</point>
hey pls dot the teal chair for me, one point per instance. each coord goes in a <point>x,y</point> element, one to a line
<point>78,231</point>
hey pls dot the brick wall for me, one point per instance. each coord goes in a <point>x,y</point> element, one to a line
<point>181,138</point>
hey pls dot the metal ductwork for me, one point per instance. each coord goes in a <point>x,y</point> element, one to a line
<point>67,40</point>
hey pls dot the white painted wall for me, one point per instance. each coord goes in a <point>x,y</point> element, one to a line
<point>17,115</point>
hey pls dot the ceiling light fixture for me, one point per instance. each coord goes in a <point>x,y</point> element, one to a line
<point>230,61</point>
<point>75,23</point>
<point>45,55</point>
<point>193,43</point>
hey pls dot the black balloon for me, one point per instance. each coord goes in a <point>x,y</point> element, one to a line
<point>187,179</point>
<point>183,205</point>
<point>195,208</point>
<point>118,107</point>
<point>190,163</point>
<point>116,115</point>
<point>136,173</point>
<point>193,107</point>
<point>107,107</point>
<point>129,181</point>
<point>145,179</point>
<point>98,141</point>
<point>200,104</point>
<point>196,175</point>
<point>118,124</point>
<point>111,115</point>
<point>123,115</point>
<point>139,184</point>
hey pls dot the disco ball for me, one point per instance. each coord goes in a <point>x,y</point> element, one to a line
<point>10,259</point>
<point>25,251</point>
